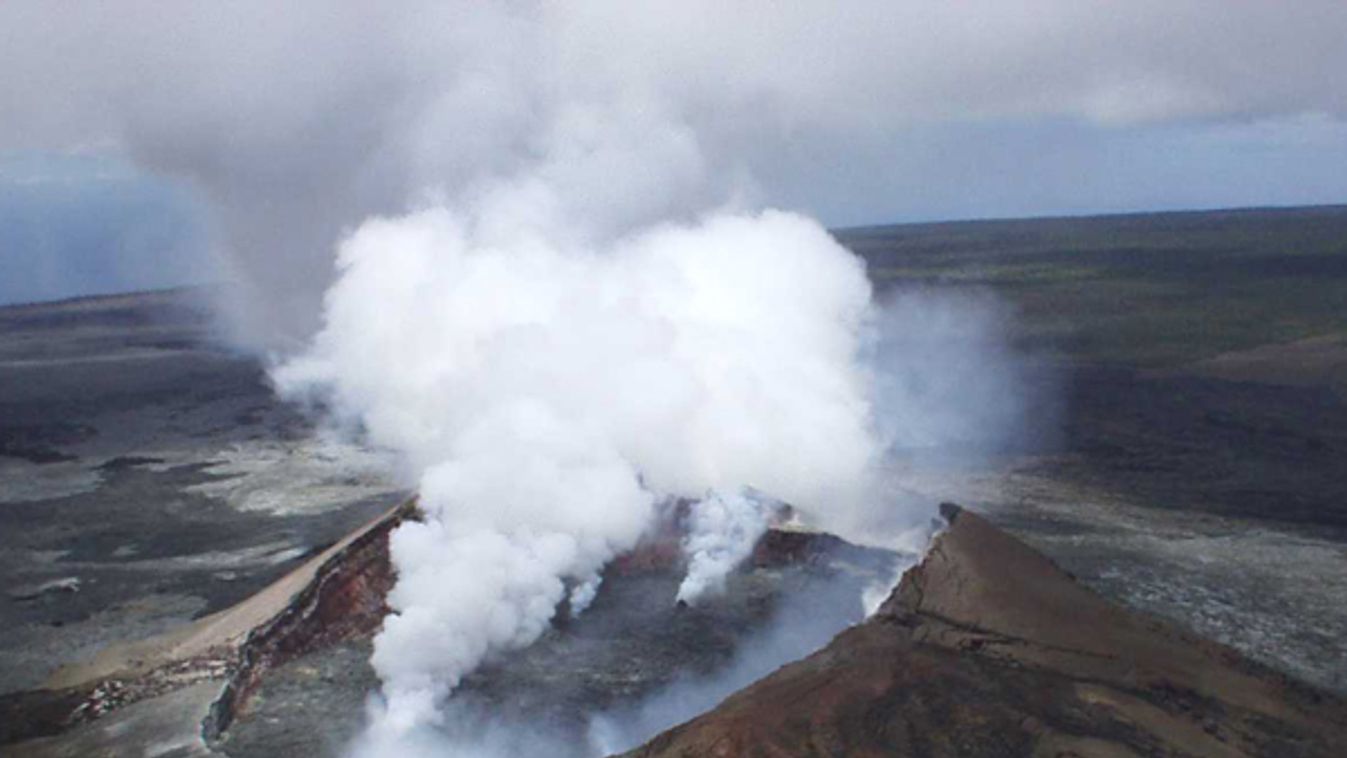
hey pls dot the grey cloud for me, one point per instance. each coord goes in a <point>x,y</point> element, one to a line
<point>296,121</point>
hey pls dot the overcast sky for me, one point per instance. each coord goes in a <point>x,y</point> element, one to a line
<point>146,145</point>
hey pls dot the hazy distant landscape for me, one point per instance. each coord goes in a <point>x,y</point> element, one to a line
<point>1139,290</point>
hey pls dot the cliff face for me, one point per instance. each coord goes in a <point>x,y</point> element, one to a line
<point>336,595</point>
<point>987,648</point>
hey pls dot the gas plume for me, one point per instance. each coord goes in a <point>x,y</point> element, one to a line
<point>556,295</point>
<point>294,122</point>
<point>551,391</point>
<point>577,327</point>
<point>722,531</point>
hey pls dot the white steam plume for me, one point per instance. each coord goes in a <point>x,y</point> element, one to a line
<point>722,530</point>
<point>584,312</point>
<point>551,391</point>
<point>580,324</point>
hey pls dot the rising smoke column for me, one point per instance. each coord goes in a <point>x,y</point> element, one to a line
<point>551,392</point>
<point>722,531</point>
<point>567,327</point>
<point>583,312</point>
<point>555,296</point>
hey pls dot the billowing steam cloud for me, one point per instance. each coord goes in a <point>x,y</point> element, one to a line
<point>552,391</point>
<point>295,121</point>
<point>555,295</point>
<point>722,532</point>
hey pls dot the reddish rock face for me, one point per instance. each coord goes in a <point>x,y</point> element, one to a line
<point>780,547</point>
<point>661,549</point>
<point>986,648</point>
<point>347,598</point>
<point>341,597</point>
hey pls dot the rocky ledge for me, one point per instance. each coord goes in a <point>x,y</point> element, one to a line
<point>987,648</point>
<point>336,595</point>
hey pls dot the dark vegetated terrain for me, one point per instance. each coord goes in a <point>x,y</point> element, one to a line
<point>1145,290</point>
<point>1122,307</point>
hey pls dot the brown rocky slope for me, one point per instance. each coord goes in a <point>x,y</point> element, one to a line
<point>988,649</point>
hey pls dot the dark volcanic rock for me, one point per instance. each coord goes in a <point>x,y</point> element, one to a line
<point>988,649</point>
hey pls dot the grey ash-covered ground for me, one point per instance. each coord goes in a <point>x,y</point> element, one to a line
<point>148,476</point>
